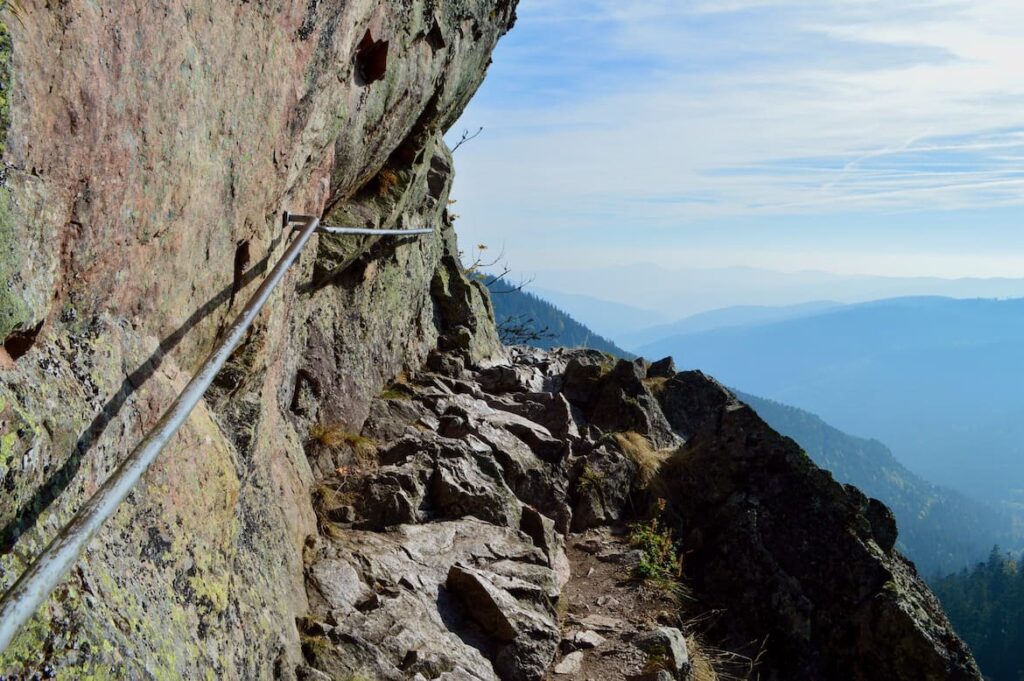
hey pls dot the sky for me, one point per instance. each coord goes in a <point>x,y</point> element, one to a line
<point>847,136</point>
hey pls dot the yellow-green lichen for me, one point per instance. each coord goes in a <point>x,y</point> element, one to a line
<point>6,80</point>
<point>13,310</point>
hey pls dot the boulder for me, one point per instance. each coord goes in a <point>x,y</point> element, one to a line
<point>527,636</point>
<point>583,376</point>
<point>588,639</point>
<point>570,664</point>
<point>601,485</point>
<point>758,518</point>
<point>541,530</point>
<point>693,403</point>
<point>393,495</point>
<point>505,378</point>
<point>468,484</point>
<point>550,410</point>
<point>446,364</point>
<point>625,404</point>
<point>668,646</point>
<point>663,368</point>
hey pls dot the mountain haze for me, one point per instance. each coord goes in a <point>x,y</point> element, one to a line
<point>939,380</point>
<point>675,293</point>
<point>553,327</point>
<point>603,316</point>
<point>940,529</point>
<point>740,315</point>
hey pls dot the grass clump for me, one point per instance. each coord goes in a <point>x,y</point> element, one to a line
<point>656,386</point>
<point>640,450</point>
<point>334,436</point>
<point>590,479</point>
<point>394,393</point>
<point>326,499</point>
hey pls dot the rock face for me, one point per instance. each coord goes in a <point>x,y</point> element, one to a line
<point>148,153</point>
<point>834,600</point>
<point>374,487</point>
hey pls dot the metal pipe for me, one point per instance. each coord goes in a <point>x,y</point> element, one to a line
<point>327,229</point>
<point>43,576</point>
<point>374,232</point>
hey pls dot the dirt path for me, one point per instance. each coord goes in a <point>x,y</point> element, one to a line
<point>604,610</point>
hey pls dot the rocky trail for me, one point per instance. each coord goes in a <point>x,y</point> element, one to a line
<point>477,529</point>
<point>606,609</point>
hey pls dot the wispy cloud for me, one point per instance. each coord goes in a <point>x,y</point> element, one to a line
<point>657,113</point>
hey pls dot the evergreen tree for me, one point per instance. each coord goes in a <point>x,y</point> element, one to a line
<point>986,606</point>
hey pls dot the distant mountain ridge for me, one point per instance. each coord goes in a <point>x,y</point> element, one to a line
<point>939,529</point>
<point>677,293</point>
<point>614,320</point>
<point>728,317</point>
<point>939,380</point>
<point>554,328</point>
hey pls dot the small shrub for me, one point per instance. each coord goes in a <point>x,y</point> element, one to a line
<point>656,386</point>
<point>660,557</point>
<point>394,393</point>
<point>658,662</point>
<point>562,607</point>
<point>326,499</point>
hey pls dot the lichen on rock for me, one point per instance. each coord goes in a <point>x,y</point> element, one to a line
<point>138,213</point>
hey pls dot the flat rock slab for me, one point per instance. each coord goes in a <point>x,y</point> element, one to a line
<point>570,664</point>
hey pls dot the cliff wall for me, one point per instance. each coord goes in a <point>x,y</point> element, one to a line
<point>150,150</point>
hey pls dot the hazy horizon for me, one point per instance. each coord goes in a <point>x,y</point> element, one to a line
<point>673,293</point>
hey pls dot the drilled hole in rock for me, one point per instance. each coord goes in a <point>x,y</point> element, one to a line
<point>371,59</point>
<point>20,342</point>
<point>242,260</point>
<point>306,394</point>
<point>435,38</point>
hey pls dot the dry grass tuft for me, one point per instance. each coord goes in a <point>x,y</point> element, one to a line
<point>333,436</point>
<point>326,499</point>
<point>703,669</point>
<point>387,180</point>
<point>656,386</point>
<point>712,664</point>
<point>640,450</point>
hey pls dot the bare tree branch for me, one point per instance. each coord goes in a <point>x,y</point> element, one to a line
<point>466,137</point>
<point>521,330</point>
<point>523,283</point>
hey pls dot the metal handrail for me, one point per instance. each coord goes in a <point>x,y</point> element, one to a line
<point>42,577</point>
<point>327,229</point>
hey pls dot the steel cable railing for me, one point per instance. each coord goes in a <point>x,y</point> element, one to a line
<point>34,586</point>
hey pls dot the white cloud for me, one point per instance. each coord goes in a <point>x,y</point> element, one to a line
<point>716,108</point>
